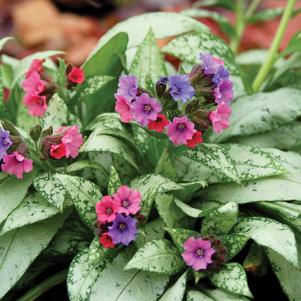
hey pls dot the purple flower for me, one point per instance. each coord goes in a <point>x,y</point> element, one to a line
<point>127,87</point>
<point>180,130</point>
<point>5,142</point>
<point>180,87</point>
<point>145,108</point>
<point>211,64</point>
<point>197,253</point>
<point>123,230</point>
<point>223,92</point>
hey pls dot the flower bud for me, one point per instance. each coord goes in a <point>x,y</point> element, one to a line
<point>35,132</point>
<point>161,86</point>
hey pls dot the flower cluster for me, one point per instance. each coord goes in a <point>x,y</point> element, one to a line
<point>204,254</point>
<point>184,106</point>
<point>117,217</point>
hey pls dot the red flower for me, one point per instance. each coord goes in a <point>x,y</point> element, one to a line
<point>36,66</point>
<point>76,75</point>
<point>58,151</point>
<point>159,124</point>
<point>106,241</point>
<point>197,138</point>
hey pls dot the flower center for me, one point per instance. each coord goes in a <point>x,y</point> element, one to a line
<point>147,108</point>
<point>122,226</point>
<point>181,127</point>
<point>125,203</point>
<point>200,252</point>
<point>109,211</point>
<point>5,142</point>
<point>176,90</point>
<point>40,102</point>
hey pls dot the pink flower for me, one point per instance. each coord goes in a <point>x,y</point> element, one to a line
<point>16,164</point>
<point>36,104</point>
<point>76,75</point>
<point>197,253</point>
<point>123,108</point>
<point>33,84</point>
<point>36,66</point>
<point>181,130</point>
<point>58,151</point>
<point>106,210</point>
<point>72,139</point>
<point>128,200</point>
<point>220,117</point>
<point>223,92</point>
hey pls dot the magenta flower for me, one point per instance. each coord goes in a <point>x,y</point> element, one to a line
<point>180,130</point>
<point>36,104</point>
<point>123,230</point>
<point>36,66</point>
<point>33,84</point>
<point>145,108</point>
<point>180,87</point>
<point>127,87</point>
<point>224,92</point>
<point>220,117</point>
<point>106,210</point>
<point>128,200</point>
<point>16,164</point>
<point>5,142</point>
<point>211,65</point>
<point>197,253</point>
<point>123,108</point>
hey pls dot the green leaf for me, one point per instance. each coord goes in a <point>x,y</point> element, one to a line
<point>193,295</point>
<point>159,256</point>
<point>256,262</point>
<point>150,186</point>
<point>12,192</point>
<point>272,234</point>
<point>187,48</point>
<point>94,84</point>
<point>190,211</point>
<point>177,291</point>
<point>233,243</point>
<point>232,278</point>
<point>275,109</point>
<point>114,181</point>
<point>148,63</point>
<point>294,45</point>
<point>97,252</point>
<point>20,247</point>
<point>221,295</point>
<point>113,283</point>
<point>221,220</point>
<point>32,209</point>
<point>84,195</point>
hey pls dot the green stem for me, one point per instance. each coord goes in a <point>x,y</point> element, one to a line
<point>239,25</point>
<point>43,287</point>
<point>252,8</point>
<point>273,52</point>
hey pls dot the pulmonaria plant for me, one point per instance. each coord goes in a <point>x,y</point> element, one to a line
<point>185,105</point>
<point>117,217</point>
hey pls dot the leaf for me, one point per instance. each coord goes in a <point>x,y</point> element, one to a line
<point>148,63</point>
<point>149,186</point>
<point>113,283</point>
<point>20,247</point>
<point>190,211</point>
<point>114,181</point>
<point>94,84</point>
<point>12,192</point>
<point>177,291</point>
<point>3,41</point>
<point>32,209</point>
<point>293,45</point>
<point>270,233</point>
<point>276,108</point>
<point>233,243</point>
<point>159,256</point>
<point>233,279</point>
<point>84,195</point>
<point>221,295</point>
<point>97,252</point>
<point>221,220</point>
<point>194,295</point>
<point>188,46</point>
<point>256,262</point>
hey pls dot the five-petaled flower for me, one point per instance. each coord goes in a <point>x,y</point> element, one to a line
<point>106,209</point>
<point>76,75</point>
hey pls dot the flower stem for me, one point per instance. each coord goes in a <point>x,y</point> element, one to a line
<point>239,25</point>
<point>273,52</point>
<point>43,287</point>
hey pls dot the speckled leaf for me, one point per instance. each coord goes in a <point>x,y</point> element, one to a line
<point>149,186</point>
<point>221,220</point>
<point>187,48</point>
<point>159,256</point>
<point>148,62</point>
<point>51,188</point>
<point>177,291</point>
<point>20,247</point>
<point>82,276</point>
<point>221,295</point>
<point>94,84</point>
<point>116,284</point>
<point>234,243</point>
<point>261,112</point>
<point>97,252</point>
<point>32,209</point>
<point>232,278</point>
<point>12,192</point>
<point>269,233</point>
<point>114,181</point>
<point>193,295</point>
<point>84,195</point>
<point>188,210</point>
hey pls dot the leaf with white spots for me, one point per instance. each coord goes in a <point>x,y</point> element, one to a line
<point>159,256</point>
<point>234,243</point>
<point>221,295</point>
<point>232,278</point>
<point>194,295</point>
<point>94,84</point>
<point>114,181</point>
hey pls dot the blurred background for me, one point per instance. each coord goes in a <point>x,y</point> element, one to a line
<point>76,25</point>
